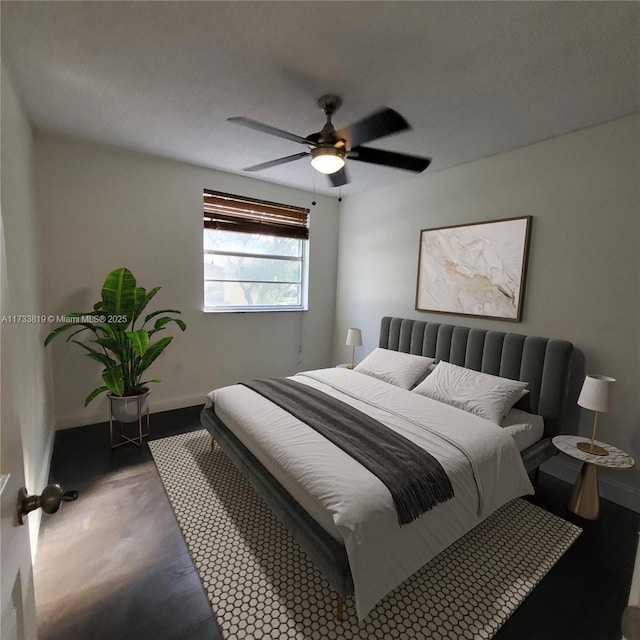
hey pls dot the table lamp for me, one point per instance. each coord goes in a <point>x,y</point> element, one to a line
<point>354,339</point>
<point>597,395</point>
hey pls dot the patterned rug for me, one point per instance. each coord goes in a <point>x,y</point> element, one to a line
<point>262,585</point>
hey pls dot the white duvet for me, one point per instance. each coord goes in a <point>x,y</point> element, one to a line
<point>480,458</point>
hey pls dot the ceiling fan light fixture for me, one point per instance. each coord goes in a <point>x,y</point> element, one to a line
<point>330,147</point>
<point>327,160</point>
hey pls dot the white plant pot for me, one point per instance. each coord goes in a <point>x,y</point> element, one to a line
<point>129,408</point>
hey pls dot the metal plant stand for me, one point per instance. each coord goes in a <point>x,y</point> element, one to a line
<point>122,438</point>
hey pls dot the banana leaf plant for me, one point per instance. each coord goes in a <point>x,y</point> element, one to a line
<point>120,336</point>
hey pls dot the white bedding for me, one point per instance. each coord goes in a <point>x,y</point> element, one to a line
<point>525,428</point>
<point>480,458</point>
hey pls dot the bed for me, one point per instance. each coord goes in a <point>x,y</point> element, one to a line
<point>342,550</point>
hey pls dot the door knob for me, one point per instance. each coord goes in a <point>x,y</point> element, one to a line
<point>49,500</point>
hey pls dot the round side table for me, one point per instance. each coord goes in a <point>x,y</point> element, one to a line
<point>585,499</point>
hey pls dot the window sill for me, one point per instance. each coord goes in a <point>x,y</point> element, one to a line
<point>254,310</point>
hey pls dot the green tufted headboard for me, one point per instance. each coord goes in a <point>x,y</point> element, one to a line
<point>542,362</point>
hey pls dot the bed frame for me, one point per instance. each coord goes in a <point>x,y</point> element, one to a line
<point>544,363</point>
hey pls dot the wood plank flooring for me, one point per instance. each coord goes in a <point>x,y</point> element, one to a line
<point>113,565</point>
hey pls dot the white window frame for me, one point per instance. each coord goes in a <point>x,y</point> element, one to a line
<point>249,308</point>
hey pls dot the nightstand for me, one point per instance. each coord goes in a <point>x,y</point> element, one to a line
<point>585,499</point>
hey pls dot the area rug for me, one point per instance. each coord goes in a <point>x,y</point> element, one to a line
<point>262,585</point>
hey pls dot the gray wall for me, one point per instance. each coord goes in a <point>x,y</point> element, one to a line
<point>583,283</point>
<point>101,208</point>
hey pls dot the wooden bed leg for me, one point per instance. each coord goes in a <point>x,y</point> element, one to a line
<point>213,443</point>
<point>339,614</point>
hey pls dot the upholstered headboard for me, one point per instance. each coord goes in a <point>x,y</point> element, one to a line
<point>542,362</point>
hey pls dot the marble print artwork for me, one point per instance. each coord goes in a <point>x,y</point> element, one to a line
<point>473,269</point>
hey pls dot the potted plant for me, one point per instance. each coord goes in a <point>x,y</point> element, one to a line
<point>121,341</point>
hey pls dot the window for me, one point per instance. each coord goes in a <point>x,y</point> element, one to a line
<point>255,254</point>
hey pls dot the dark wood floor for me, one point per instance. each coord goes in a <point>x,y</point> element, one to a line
<point>113,565</point>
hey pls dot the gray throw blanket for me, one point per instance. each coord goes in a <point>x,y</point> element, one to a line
<point>416,480</point>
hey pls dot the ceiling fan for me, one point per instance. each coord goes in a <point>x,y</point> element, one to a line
<point>330,147</point>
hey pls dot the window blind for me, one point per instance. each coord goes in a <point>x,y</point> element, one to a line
<point>227,212</point>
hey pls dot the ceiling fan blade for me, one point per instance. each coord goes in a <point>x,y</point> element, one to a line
<point>275,163</point>
<point>339,178</point>
<point>265,128</point>
<point>390,159</point>
<point>378,124</point>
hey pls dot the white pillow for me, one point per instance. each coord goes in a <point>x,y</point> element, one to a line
<point>395,367</point>
<point>487,396</point>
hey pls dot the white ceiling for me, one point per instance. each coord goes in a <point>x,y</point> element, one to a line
<point>473,78</point>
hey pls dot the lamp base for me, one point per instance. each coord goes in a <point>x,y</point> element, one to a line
<point>351,366</point>
<point>596,451</point>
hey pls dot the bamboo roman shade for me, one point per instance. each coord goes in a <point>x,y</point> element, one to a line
<point>227,212</point>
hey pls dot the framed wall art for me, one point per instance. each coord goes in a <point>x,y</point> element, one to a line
<point>476,269</point>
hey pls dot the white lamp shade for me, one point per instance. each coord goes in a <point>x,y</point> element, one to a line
<point>354,338</point>
<point>598,393</point>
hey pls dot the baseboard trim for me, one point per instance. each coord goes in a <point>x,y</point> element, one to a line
<point>567,469</point>
<point>156,406</point>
